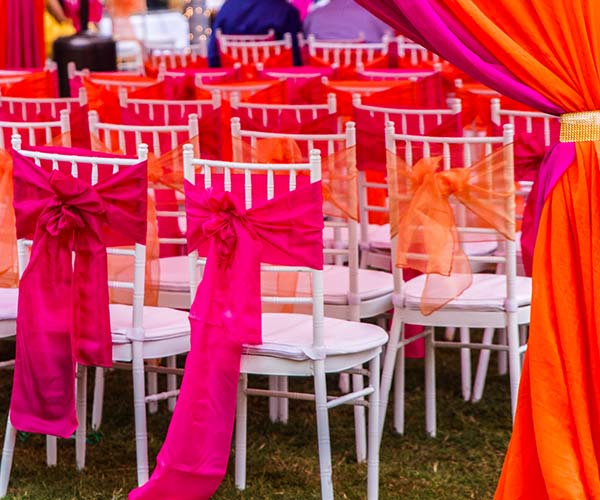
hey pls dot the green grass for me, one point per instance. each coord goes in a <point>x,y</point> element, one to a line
<point>463,462</point>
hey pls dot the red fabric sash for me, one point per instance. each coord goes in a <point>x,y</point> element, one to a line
<point>63,314</point>
<point>286,230</point>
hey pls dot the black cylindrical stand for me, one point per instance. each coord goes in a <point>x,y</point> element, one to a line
<point>85,49</point>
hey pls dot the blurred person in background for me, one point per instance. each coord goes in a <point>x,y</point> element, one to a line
<point>255,17</point>
<point>344,20</point>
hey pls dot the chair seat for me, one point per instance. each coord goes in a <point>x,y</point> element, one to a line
<point>487,293</point>
<point>379,238</point>
<point>290,336</point>
<point>336,282</point>
<point>160,323</point>
<point>8,303</point>
<point>372,284</point>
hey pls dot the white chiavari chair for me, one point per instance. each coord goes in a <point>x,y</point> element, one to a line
<point>347,53</point>
<point>174,283</point>
<point>375,238</point>
<point>168,110</point>
<point>344,344</point>
<point>350,293</point>
<point>492,300</point>
<point>139,332</point>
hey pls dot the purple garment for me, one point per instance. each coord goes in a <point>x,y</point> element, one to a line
<point>255,17</point>
<point>344,20</point>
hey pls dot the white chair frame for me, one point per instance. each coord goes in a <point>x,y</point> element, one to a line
<point>510,317</point>
<point>376,253</point>
<point>341,53</point>
<point>134,351</point>
<point>280,366</point>
<point>183,106</point>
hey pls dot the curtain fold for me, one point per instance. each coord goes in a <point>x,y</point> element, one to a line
<point>543,53</point>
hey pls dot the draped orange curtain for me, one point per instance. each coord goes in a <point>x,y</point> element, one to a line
<point>552,47</point>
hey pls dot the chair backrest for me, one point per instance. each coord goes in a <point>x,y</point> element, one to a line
<point>252,173</point>
<point>35,133</point>
<point>270,35</point>
<point>95,168</point>
<point>330,144</point>
<point>254,51</point>
<point>270,113</point>
<point>430,146</point>
<point>526,121</point>
<point>358,86</point>
<point>161,139</point>
<point>347,53</point>
<point>178,58</point>
<point>226,89</point>
<point>27,108</point>
<point>414,52</point>
<point>169,111</point>
<point>396,74</point>
<point>410,121</point>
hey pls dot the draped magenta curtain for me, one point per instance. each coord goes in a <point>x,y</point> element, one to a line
<point>22,33</point>
<point>543,53</point>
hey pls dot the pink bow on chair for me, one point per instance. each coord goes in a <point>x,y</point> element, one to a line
<point>286,230</point>
<point>63,314</point>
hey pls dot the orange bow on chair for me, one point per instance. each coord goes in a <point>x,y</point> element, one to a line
<point>9,272</point>
<point>424,218</point>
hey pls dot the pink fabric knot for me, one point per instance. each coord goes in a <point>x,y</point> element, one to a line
<point>225,211</point>
<point>75,201</point>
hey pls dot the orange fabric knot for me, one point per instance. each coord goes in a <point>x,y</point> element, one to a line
<point>425,205</point>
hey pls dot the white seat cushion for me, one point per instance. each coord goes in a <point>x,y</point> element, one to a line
<point>487,293</point>
<point>160,323</point>
<point>474,248</point>
<point>290,336</point>
<point>8,303</point>
<point>336,283</point>
<point>174,274</point>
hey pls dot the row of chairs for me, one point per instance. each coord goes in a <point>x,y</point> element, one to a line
<point>403,309</point>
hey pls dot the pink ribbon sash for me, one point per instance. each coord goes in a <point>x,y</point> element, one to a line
<point>63,314</point>
<point>286,230</point>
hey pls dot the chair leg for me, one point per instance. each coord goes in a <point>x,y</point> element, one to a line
<point>152,389</point>
<point>323,430</point>
<point>450,333</point>
<point>344,383</point>
<point>465,364</point>
<point>523,333</point>
<point>502,357</point>
<point>430,410</point>
<point>360,425</point>
<point>514,361</point>
<point>81,432</point>
<point>171,381</point>
<point>51,451</point>
<point>8,451</point>
<point>284,403</point>
<point>98,398</point>
<point>273,403</point>
<point>389,363</point>
<point>482,366</point>
<point>241,433</point>
<point>374,438</point>
<point>139,409</point>
<point>399,390</point>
